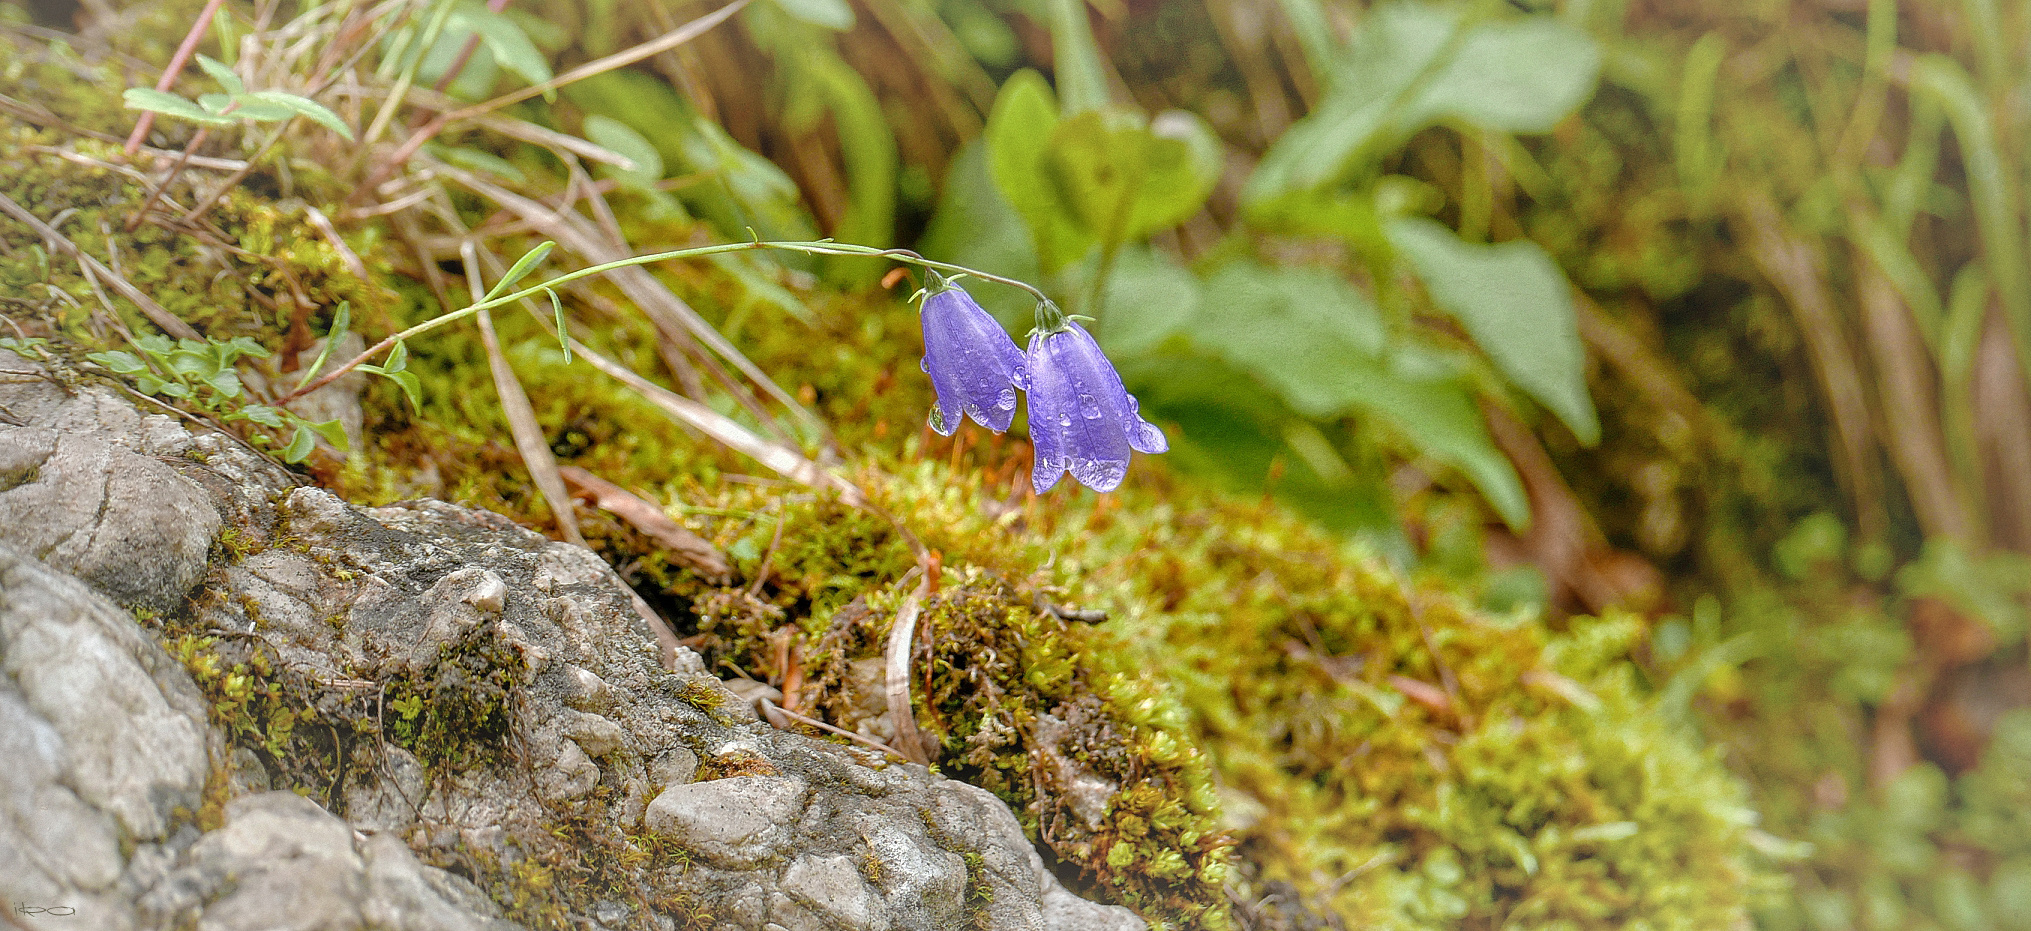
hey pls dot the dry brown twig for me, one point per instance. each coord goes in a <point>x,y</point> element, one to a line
<point>687,548</point>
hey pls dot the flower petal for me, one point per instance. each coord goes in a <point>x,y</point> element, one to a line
<point>973,363</point>
<point>1081,418</point>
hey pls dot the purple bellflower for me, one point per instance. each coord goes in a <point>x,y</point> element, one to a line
<point>973,363</point>
<point>1081,418</point>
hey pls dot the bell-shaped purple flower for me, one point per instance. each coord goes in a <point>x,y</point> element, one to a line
<point>972,362</point>
<point>1081,418</point>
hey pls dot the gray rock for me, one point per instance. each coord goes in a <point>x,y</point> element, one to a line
<point>124,718</point>
<point>736,823</point>
<point>493,699</point>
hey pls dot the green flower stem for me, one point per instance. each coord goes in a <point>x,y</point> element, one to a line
<point>818,247</point>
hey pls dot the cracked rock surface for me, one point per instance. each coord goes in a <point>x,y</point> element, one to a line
<point>437,720</point>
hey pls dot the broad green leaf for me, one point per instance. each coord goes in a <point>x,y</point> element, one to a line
<point>332,431</point>
<point>303,107</point>
<point>300,445</point>
<point>155,344</point>
<point>119,361</point>
<point>218,104</point>
<point>479,160</point>
<point>225,384</point>
<point>249,107</point>
<point>168,104</point>
<point>1319,342</point>
<point>1148,299</point>
<point>263,414</point>
<point>1518,308</point>
<point>975,226</point>
<point>611,133</point>
<point>1520,76</point>
<point>243,346</point>
<point>1197,170</point>
<point>1019,134</point>
<point>398,358</point>
<point>197,363</point>
<point>505,40</point>
<point>222,73</point>
<point>1234,431</point>
<point>835,15</point>
<point>1411,66</point>
<point>1297,329</point>
<point>1123,180</point>
<point>411,387</point>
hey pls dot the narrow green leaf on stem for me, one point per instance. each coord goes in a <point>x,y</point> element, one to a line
<point>341,321</point>
<point>521,269</point>
<point>563,333</point>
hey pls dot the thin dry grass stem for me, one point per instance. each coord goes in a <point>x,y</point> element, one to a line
<point>176,63</point>
<point>667,331</point>
<point>831,729</point>
<point>128,172</point>
<point>233,180</point>
<point>909,740</point>
<point>521,130</point>
<point>1799,273</point>
<point>683,546</point>
<point>156,314</point>
<point>48,120</point>
<point>331,234</point>
<point>580,186</point>
<point>663,307</point>
<point>620,59</point>
<point>783,460</point>
<point>1911,413</point>
<point>161,189</point>
<point>667,643</point>
<point>522,423</point>
<point>2003,431</point>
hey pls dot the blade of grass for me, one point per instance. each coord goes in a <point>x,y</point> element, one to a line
<point>1998,215</point>
<point>1798,271</point>
<point>650,295</point>
<point>522,423</point>
<point>1912,432</point>
<point>781,459</point>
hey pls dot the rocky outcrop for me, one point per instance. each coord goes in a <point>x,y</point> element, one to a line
<point>416,716</point>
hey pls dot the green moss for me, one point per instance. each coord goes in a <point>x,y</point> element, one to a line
<point>454,713</point>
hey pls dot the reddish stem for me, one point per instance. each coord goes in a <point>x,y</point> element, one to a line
<point>176,63</point>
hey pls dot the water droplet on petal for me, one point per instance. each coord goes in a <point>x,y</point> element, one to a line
<point>1088,407</point>
<point>925,364</point>
<point>1064,420</point>
<point>1099,474</point>
<point>1006,401</point>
